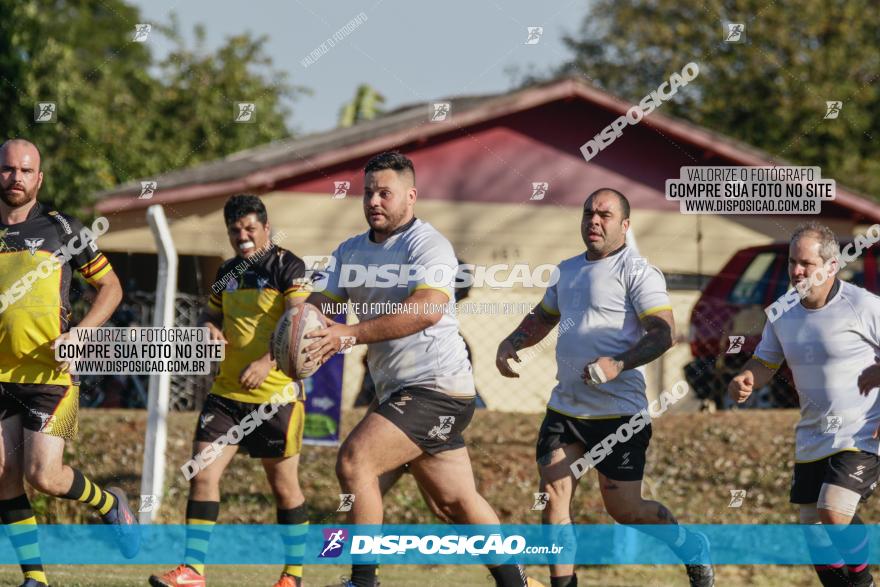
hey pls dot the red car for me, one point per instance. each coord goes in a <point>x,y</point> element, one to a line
<point>727,321</point>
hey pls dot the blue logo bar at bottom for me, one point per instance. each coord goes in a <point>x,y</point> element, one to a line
<point>458,544</point>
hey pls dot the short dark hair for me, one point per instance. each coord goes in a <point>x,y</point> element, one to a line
<point>624,203</point>
<point>391,160</point>
<point>241,205</point>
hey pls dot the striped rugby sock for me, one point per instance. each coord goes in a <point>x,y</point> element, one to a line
<point>853,544</point>
<point>21,526</point>
<point>295,524</point>
<point>201,516</point>
<point>86,491</point>
<point>829,565</point>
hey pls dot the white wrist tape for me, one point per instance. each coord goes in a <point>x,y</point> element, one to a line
<point>597,375</point>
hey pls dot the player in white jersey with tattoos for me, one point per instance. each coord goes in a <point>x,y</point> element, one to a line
<point>622,319</point>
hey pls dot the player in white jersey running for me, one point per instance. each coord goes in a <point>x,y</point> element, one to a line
<point>616,317</point>
<point>831,341</point>
<point>416,356</point>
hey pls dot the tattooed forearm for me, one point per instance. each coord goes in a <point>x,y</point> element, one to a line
<point>518,337</point>
<point>657,340</point>
<point>534,327</point>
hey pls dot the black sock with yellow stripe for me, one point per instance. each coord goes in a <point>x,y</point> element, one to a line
<point>86,491</point>
<point>201,517</point>
<point>295,524</point>
<point>21,527</point>
<point>509,575</point>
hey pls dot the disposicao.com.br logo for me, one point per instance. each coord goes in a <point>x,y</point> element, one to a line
<point>476,545</point>
<point>450,544</point>
<point>334,542</point>
<point>416,544</point>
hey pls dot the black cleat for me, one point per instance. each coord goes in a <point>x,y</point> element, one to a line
<point>345,582</point>
<point>862,579</point>
<point>700,571</point>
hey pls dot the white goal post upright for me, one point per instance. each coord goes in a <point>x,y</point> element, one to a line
<point>631,242</point>
<point>153,474</point>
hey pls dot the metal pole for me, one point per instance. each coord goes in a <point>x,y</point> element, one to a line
<point>153,477</point>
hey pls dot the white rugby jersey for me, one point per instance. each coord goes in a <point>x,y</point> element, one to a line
<point>435,357</point>
<point>826,350</point>
<point>600,305</point>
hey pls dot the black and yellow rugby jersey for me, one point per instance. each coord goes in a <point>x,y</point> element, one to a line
<point>34,298</point>
<point>251,296</point>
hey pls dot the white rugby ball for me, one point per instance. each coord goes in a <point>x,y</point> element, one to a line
<point>289,341</point>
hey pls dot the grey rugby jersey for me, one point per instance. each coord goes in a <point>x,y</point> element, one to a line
<point>435,357</point>
<point>826,350</point>
<point>600,305</point>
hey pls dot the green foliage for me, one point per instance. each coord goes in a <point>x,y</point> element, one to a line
<point>769,91</point>
<point>122,115</point>
<point>366,105</point>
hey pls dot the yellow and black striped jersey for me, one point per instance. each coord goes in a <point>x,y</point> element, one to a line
<point>37,258</point>
<point>251,294</point>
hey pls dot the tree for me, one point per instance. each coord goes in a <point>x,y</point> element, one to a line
<point>367,104</point>
<point>120,115</point>
<point>769,91</point>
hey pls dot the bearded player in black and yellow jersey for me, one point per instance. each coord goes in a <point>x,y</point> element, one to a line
<point>38,397</point>
<point>250,294</point>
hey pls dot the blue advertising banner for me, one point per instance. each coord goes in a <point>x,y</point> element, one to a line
<point>324,403</point>
<point>442,544</point>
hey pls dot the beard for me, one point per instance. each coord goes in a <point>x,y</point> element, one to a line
<point>386,224</point>
<point>593,246</point>
<point>17,199</point>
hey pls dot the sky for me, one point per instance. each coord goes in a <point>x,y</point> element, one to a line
<point>409,51</point>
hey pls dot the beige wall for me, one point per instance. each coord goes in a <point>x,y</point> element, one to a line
<point>480,233</point>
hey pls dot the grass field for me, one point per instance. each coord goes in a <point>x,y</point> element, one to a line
<point>694,462</point>
<point>403,576</point>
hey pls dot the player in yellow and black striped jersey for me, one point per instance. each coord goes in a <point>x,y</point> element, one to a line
<point>39,250</point>
<point>250,300</point>
<point>250,294</point>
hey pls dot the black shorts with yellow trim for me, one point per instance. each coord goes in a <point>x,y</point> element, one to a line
<point>263,434</point>
<point>50,409</point>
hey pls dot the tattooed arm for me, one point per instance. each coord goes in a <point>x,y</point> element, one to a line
<point>657,340</point>
<point>534,327</point>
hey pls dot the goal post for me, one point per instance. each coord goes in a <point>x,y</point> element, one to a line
<point>153,474</point>
<point>631,242</point>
